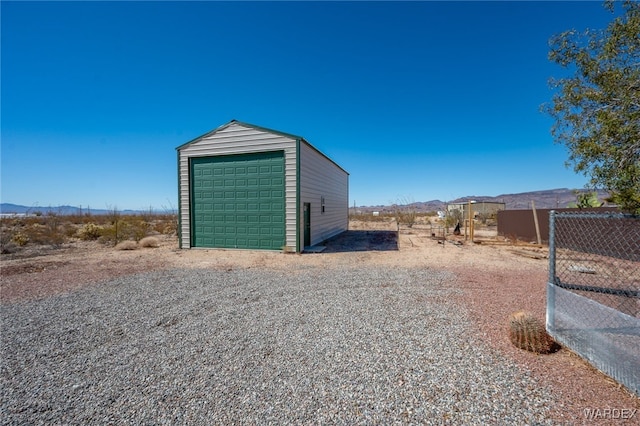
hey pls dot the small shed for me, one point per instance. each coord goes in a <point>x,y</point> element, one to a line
<point>487,208</point>
<point>243,186</point>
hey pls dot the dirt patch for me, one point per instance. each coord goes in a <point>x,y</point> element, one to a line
<point>31,267</point>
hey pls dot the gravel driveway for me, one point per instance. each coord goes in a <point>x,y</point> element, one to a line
<point>304,346</point>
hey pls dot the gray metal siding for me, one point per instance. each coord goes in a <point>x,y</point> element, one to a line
<point>238,139</point>
<point>320,177</point>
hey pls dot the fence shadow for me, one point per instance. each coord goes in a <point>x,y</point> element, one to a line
<point>350,241</point>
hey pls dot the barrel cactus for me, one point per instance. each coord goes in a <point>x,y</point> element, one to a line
<point>528,333</point>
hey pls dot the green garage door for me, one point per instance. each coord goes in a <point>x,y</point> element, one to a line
<point>237,201</point>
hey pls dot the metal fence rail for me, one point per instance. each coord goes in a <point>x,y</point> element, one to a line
<point>593,293</point>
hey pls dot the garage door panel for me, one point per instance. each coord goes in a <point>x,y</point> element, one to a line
<point>249,190</point>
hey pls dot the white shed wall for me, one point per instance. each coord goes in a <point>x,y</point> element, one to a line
<point>238,139</point>
<point>319,177</point>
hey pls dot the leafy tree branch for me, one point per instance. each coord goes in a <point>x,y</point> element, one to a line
<point>597,109</point>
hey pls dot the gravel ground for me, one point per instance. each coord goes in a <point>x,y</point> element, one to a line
<point>253,345</point>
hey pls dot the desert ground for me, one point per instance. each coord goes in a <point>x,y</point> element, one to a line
<point>495,278</point>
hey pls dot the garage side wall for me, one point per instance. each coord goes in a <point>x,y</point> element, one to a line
<point>321,179</point>
<point>238,139</point>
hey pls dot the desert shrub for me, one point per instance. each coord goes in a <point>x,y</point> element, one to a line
<point>170,229</point>
<point>90,232</point>
<point>425,220</point>
<point>369,217</point>
<point>7,248</point>
<point>139,228</point>
<point>70,230</point>
<point>406,217</point>
<point>158,226</point>
<point>47,233</point>
<point>166,224</point>
<point>115,231</point>
<point>7,245</point>
<point>150,242</point>
<point>112,231</point>
<point>130,228</point>
<point>112,234</point>
<point>20,239</point>
<point>528,333</point>
<point>53,234</point>
<point>127,245</point>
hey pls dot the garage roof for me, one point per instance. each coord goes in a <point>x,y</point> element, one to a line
<point>277,132</point>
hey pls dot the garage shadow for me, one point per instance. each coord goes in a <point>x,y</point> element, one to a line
<point>362,241</point>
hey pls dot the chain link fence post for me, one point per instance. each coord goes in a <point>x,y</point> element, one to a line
<point>551,297</point>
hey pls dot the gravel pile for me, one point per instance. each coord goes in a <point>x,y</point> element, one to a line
<point>309,345</point>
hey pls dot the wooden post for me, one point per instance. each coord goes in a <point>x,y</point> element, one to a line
<point>473,228</point>
<point>535,221</point>
<point>466,224</point>
<point>470,220</point>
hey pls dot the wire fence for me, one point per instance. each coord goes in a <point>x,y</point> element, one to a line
<point>593,293</point>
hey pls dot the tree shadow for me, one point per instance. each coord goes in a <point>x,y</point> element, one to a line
<point>350,241</point>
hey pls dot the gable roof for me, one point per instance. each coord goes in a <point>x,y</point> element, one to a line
<point>264,129</point>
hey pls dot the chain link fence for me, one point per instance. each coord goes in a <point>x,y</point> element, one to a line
<point>593,293</point>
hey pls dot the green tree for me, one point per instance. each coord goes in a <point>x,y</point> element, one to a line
<point>597,108</point>
<point>585,200</point>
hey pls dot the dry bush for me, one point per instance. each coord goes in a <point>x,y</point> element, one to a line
<point>127,245</point>
<point>20,239</point>
<point>166,224</point>
<point>369,217</point>
<point>7,245</point>
<point>69,230</point>
<point>150,242</point>
<point>528,333</point>
<point>108,235</point>
<point>49,233</point>
<point>137,228</point>
<point>53,229</point>
<point>122,228</point>
<point>113,233</point>
<point>90,232</point>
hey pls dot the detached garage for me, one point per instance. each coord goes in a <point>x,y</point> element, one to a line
<point>247,187</point>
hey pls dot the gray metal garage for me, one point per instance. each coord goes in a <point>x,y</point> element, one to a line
<point>247,187</point>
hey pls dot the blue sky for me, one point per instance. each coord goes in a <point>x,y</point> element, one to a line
<point>416,100</point>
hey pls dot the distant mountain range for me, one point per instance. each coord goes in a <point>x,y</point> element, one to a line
<point>547,199</point>
<point>8,208</point>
